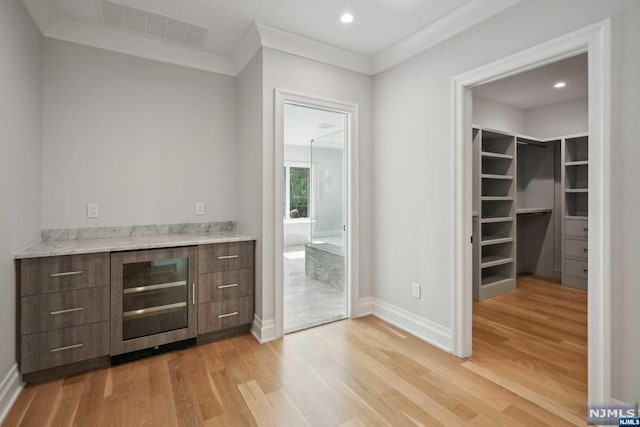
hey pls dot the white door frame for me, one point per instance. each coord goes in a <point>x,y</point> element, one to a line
<point>352,196</point>
<point>596,41</point>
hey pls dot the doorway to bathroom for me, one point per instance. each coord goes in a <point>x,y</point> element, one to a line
<point>314,215</point>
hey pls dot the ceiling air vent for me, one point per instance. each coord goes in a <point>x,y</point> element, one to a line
<point>152,24</point>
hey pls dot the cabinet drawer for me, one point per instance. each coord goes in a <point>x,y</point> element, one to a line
<point>576,228</point>
<point>218,315</point>
<point>63,273</point>
<point>576,268</point>
<point>576,248</point>
<point>63,309</point>
<point>64,346</point>
<point>225,285</point>
<point>225,256</point>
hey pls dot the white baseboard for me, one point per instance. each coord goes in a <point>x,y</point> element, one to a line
<point>422,328</point>
<point>263,330</point>
<point>10,388</point>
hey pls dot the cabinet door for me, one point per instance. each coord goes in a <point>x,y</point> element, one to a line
<point>153,298</point>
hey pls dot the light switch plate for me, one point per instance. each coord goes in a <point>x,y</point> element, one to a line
<point>199,208</point>
<point>92,210</point>
<point>415,290</point>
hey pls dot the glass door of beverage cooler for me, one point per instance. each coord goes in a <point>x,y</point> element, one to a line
<point>153,298</point>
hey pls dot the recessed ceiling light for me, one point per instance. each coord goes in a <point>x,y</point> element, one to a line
<point>559,85</point>
<point>346,18</point>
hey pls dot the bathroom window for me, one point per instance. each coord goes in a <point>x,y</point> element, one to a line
<point>297,182</point>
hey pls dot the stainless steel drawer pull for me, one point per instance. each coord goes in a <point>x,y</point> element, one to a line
<point>233,285</point>
<point>66,273</point>
<point>220,316</point>
<point>68,310</point>
<point>228,256</point>
<point>193,293</point>
<point>69,347</point>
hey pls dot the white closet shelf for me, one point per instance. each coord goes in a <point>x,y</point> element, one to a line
<point>495,240</point>
<point>494,176</point>
<point>576,190</point>
<point>492,261</point>
<point>494,280</point>
<point>576,217</point>
<point>496,198</point>
<point>577,163</point>
<point>498,219</point>
<point>496,155</point>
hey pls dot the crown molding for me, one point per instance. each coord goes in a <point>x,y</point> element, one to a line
<point>120,41</point>
<point>42,12</point>
<point>450,24</point>
<point>295,44</point>
<point>250,44</point>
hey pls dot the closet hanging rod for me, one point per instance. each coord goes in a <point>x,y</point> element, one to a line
<point>532,143</point>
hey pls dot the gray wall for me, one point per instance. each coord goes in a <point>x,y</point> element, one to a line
<point>563,118</point>
<point>249,161</point>
<point>413,154</point>
<point>491,114</point>
<point>143,139</point>
<point>20,43</point>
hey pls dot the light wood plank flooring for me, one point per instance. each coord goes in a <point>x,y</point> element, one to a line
<point>528,368</point>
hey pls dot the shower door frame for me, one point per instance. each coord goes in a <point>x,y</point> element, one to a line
<point>351,151</point>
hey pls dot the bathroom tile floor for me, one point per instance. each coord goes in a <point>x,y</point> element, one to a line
<point>308,302</point>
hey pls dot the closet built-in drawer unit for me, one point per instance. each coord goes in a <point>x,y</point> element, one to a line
<point>576,268</point>
<point>225,286</point>
<point>576,248</point>
<point>576,228</point>
<point>64,310</point>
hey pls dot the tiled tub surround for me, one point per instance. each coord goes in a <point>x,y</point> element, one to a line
<point>325,262</point>
<point>135,230</point>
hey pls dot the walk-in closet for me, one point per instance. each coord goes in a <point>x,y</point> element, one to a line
<point>530,179</point>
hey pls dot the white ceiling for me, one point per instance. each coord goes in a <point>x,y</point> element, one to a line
<point>229,20</point>
<point>304,124</point>
<point>390,29</point>
<point>534,88</point>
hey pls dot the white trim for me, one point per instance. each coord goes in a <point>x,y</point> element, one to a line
<point>352,236</point>
<point>596,41</point>
<point>420,327</point>
<point>263,331</point>
<point>365,306</point>
<point>10,389</point>
<point>452,23</point>
<point>143,47</point>
<point>295,44</point>
<point>250,44</point>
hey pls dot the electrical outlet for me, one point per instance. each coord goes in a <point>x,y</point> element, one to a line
<point>92,210</point>
<point>415,290</point>
<point>199,208</point>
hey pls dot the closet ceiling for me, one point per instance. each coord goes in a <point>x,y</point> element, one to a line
<point>534,88</point>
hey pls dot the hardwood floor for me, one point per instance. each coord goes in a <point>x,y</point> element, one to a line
<point>528,368</point>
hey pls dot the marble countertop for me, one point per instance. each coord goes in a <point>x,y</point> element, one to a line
<point>114,244</point>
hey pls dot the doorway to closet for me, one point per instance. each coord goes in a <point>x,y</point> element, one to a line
<point>314,216</point>
<point>530,234</point>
